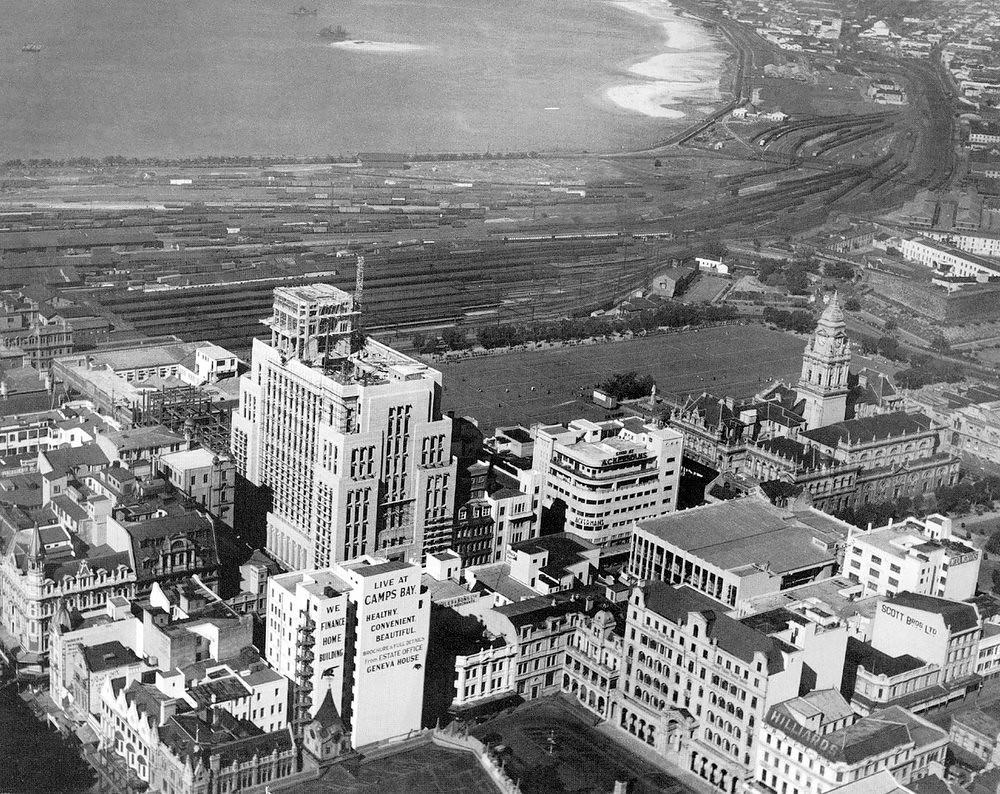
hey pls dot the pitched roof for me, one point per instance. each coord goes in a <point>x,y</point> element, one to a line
<point>984,720</point>
<point>878,662</point>
<point>327,715</point>
<point>145,697</point>
<point>800,454</point>
<point>66,459</point>
<point>537,610</point>
<point>877,734</point>
<point>958,616</point>
<point>870,428</point>
<point>733,636</point>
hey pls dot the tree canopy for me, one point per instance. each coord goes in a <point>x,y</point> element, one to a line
<point>627,385</point>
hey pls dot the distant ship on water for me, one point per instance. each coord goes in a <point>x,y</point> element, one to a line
<point>31,48</point>
<point>331,33</point>
<point>302,11</point>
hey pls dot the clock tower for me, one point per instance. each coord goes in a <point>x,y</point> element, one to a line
<point>825,367</point>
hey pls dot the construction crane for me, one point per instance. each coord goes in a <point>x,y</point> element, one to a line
<point>359,282</point>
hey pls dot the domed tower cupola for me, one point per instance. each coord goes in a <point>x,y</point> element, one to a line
<point>826,365</point>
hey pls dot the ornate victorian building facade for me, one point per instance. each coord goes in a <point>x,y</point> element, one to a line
<point>843,439</point>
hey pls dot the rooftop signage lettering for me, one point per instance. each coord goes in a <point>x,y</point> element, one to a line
<point>907,620</point>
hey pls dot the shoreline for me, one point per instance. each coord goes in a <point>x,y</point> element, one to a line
<point>645,50</point>
<point>673,79</point>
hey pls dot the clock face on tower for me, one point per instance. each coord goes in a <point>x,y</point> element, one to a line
<point>826,365</point>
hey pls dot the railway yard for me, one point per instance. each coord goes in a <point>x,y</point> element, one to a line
<point>474,240</point>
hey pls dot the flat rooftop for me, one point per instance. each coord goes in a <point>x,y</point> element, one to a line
<point>189,458</point>
<point>741,533</point>
<point>366,568</point>
<point>319,583</point>
<point>836,597</point>
<point>597,452</point>
<point>145,357</point>
<point>315,293</point>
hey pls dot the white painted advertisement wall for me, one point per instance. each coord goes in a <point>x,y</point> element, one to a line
<point>393,620</point>
<point>899,629</point>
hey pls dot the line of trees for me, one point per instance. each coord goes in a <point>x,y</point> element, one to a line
<point>877,514</point>
<point>968,494</point>
<point>670,315</point>
<point>791,320</point>
<point>922,369</point>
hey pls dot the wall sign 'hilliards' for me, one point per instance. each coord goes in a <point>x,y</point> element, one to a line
<point>800,733</point>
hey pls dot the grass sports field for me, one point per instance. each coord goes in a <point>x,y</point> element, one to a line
<point>497,390</point>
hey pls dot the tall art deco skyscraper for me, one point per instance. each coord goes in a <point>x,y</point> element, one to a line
<point>352,445</point>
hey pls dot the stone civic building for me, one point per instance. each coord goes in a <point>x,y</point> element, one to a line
<point>842,438</point>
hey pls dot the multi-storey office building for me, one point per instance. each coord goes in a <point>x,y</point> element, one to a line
<point>41,342</point>
<point>357,631</point>
<point>205,476</point>
<point>608,475</point>
<point>988,657</point>
<point>593,662</point>
<point>816,743</point>
<point>697,684</point>
<point>977,731</point>
<point>41,568</point>
<point>923,653</point>
<point>942,632</point>
<point>918,556</point>
<point>170,747</point>
<point>527,656</point>
<point>352,445</point>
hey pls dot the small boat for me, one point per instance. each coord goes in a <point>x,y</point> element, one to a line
<point>31,48</point>
<point>302,11</point>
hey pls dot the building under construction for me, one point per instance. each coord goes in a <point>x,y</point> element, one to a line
<point>186,409</point>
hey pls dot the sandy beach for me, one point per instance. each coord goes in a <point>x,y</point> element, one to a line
<point>378,46</point>
<point>689,70</point>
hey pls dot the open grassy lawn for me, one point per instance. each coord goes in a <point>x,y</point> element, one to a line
<point>497,390</point>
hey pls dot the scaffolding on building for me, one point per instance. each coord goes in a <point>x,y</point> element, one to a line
<point>187,409</point>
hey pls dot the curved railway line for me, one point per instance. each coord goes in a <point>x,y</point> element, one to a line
<point>810,166</point>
